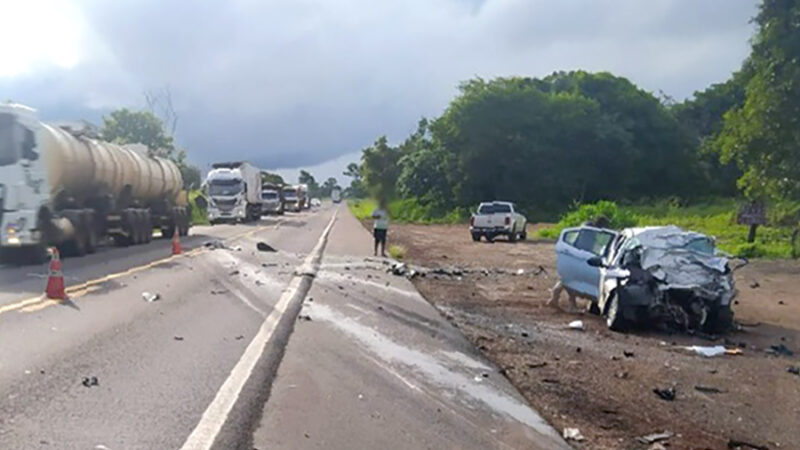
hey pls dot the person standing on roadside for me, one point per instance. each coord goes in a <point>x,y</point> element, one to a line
<point>380,227</point>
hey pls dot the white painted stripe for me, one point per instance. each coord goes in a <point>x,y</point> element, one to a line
<point>215,416</point>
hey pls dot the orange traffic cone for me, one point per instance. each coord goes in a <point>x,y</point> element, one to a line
<point>176,243</point>
<point>55,280</point>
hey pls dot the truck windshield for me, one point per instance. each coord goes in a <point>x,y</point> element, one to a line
<point>9,141</point>
<point>290,195</point>
<point>269,195</point>
<point>224,187</point>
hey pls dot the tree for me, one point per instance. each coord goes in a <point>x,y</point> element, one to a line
<point>356,188</point>
<point>267,177</point>
<point>380,169</point>
<point>702,118</point>
<point>124,126</point>
<point>308,179</point>
<point>763,135</point>
<point>328,186</point>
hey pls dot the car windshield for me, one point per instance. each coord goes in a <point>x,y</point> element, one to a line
<point>701,245</point>
<point>269,195</point>
<point>224,187</point>
<point>9,142</point>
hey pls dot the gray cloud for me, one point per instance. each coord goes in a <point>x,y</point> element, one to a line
<point>290,84</point>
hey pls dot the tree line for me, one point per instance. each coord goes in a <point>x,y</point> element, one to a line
<point>569,137</point>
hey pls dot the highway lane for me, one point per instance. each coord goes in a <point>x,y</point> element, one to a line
<point>158,365</point>
<point>223,361</point>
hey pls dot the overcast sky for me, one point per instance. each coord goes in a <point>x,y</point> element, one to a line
<point>299,83</point>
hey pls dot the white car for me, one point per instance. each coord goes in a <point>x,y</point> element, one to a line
<point>498,219</point>
<point>316,202</point>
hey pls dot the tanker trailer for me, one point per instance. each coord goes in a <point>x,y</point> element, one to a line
<point>62,188</point>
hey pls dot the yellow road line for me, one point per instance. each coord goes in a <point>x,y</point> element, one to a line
<point>79,290</point>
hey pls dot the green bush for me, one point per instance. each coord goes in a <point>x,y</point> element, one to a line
<point>199,215</point>
<point>409,210</point>
<point>715,218</point>
<point>616,216</point>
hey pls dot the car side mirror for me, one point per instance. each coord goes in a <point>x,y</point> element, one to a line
<point>595,262</point>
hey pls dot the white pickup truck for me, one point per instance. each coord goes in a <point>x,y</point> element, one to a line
<point>498,218</point>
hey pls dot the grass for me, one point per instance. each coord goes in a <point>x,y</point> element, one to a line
<point>409,210</point>
<point>715,218</point>
<point>397,251</point>
<point>199,216</point>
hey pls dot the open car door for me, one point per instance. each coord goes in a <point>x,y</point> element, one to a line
<point>574,248</point>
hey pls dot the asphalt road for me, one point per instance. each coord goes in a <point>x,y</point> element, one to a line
<point>222,361</point>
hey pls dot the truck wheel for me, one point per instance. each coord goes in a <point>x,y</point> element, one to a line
<point>148,227</point>
<point>524,235</point>
<point>512,236</point>
<point>476,237</point>
<point>614,317</point>
<point>91,232</point>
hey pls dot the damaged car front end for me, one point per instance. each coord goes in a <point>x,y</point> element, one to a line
<point>665,277</point>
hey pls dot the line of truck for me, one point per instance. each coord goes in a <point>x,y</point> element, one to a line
<point>63,186</point>
<point>236,193</point>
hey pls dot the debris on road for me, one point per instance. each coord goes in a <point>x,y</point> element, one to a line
<point>655,437</point>
<point>239,337</point>
<point>520,272</point>
<point>794,370</point>
<point>743,445</point>
<point>627,354</point>
<point>90,381</point>
<point>215,244</point>
<point>219,291</point>
<point>573,434</point>
<point>150,297</point>
<point>177,338</point>
<point>667,394</point>
<point>576,325</point>
<point>304,317</point>
<point>234,273</point>
<point>269,264</point>
<point>708,389</point>
<point>780,349</point>
<point>264,247</point>
<point>708,352</point>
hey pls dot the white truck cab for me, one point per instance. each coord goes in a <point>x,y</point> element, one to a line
<point>234,192</point>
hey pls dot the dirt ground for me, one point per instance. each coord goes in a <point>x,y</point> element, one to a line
<point>602,382</point>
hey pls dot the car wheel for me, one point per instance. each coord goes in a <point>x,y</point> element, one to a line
<point>476,237</point>
<point>614,317</point>
<point>512,236</point>
<point>524,235</point>
<point>594,308</point>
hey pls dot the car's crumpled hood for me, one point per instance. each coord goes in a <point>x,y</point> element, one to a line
<point>678,268</point>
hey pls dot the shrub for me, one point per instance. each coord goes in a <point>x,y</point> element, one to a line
<point>397,251</point>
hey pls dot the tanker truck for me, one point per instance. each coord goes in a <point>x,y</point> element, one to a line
<point>60,187</point>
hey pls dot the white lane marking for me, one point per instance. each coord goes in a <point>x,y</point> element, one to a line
<point>241,296</point>
<point>215,416</point>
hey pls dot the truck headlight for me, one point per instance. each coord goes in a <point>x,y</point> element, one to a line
<point>15,227</point>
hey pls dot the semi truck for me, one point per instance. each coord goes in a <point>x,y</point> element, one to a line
<point>291,199</point>
<point>303,200</point>
<point>234,192</point>
<point>336,194</point>
<point>67,188</point>
<point>272,198</point>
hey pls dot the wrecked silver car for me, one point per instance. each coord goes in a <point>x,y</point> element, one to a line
<point>660,276</point>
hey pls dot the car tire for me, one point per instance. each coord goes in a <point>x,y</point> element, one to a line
<point>614,317</point>
<point>524,235</point>
<point>594,308</point>
<point>476,237</point>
